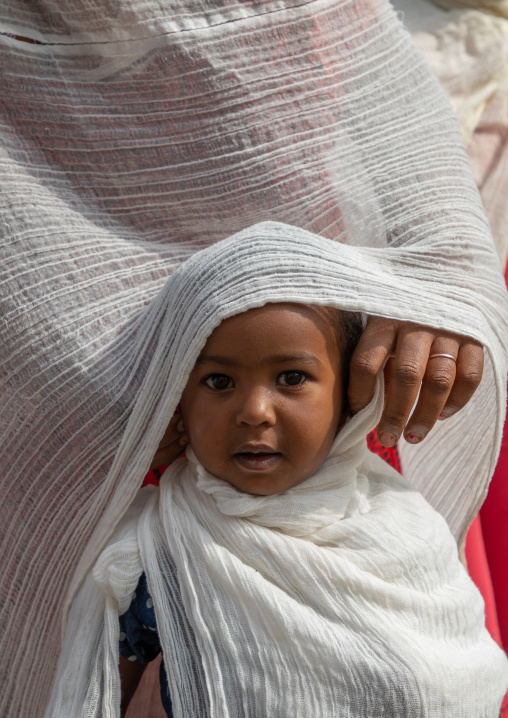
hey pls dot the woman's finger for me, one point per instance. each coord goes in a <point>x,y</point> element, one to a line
<point>441,386</point>
<point>369,357</point>
<point>171,444</point>
<point>468,376</point>
<point>406,373</point>
<point>169,453</point>
<point>437,384</point>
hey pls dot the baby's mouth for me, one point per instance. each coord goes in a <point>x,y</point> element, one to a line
<point>257,460</point>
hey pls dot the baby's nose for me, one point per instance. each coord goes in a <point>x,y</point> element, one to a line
<point>256,408</point>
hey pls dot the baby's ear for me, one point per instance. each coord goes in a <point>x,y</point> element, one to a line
<point>178,413</point>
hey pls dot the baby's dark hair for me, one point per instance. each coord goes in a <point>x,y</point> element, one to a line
<point>348,328</point>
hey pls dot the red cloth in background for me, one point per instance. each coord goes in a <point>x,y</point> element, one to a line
<point>479,570</point>
<point>490,571</point>
<point>390,454</point>
<point>487,547</point>
<point>494,523</point>
<point>154,476</point>
<point>487,551</point>
<point>489,537</point>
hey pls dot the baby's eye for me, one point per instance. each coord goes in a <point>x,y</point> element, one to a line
<point>291,378</point>
<point>218,382</point>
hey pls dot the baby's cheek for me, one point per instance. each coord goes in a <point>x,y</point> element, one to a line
<point>207,447</point>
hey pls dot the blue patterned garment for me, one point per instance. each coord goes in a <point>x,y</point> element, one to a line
<point>139,640</point>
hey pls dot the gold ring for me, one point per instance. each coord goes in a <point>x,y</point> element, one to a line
<point>447,356</point>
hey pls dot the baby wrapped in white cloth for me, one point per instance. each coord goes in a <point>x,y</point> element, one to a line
<point>292,572</point>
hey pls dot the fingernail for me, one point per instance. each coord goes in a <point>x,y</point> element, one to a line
<point>413,438</point>
<point>183,440</point>
<point>180,426</point>
<point>388,439</point>
<point>445,415</point>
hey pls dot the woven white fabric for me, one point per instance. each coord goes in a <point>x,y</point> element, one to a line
<point>341,596</point>
<point>468,52</point>
<point>139,132</point>
<point>496,7</point>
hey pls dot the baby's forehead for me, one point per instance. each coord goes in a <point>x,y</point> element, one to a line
<point>296,324</point>
<point>332,316</point>
<point>327,314</point>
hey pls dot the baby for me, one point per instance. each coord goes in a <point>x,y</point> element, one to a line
<point>282,569</point>
<point>293,563</point>
<point>261,410</point>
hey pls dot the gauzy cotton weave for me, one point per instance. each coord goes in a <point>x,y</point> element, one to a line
<point>138,132</point>
<point>343,596</point>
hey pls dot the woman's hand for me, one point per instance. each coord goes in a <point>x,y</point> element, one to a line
<point>446,385</point>
<point>172,443</point>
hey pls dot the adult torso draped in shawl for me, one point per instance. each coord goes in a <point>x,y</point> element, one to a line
<point>132,135</point>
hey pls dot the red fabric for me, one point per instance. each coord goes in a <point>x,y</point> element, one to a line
<point>478,568</point>
<point>494,523</point>
<point>154,475</point>
<point>389,454</point>
<point>487,552</point>
<point>494,518</point>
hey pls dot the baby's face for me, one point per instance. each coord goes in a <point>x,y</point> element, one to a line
<point>263,403</point>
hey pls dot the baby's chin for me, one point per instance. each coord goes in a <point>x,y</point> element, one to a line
<point>262,473</point>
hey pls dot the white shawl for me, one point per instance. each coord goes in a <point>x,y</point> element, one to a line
<point>343,596</point>
<point>134,133</point>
